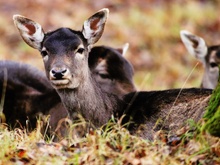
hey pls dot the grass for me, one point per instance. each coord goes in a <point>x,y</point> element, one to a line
<point>113,145</point>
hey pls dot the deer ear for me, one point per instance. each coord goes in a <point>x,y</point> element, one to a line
<point>31,32</point>
<point>124,49</point>
<point>195,45</point>
<point>94,26</point>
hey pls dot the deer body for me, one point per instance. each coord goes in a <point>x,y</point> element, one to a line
<point>28,94</point>
<point>208,55</point>
<point>65,54</point>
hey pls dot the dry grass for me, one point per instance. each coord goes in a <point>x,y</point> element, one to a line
<point>111,146</point>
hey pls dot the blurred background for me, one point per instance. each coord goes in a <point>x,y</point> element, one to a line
<point>151,27</point>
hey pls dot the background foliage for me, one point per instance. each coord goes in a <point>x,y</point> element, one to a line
<point>151,27</point>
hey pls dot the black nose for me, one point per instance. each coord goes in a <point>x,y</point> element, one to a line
<point>58,73</point>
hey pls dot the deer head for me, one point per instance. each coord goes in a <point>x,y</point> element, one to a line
<point>208,55</point>
<point>111,70</point>
<point>64,50</point>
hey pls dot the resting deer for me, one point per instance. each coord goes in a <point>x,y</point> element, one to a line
<point>65,53</point>
<point>208,55</point>
<point>28,93</point>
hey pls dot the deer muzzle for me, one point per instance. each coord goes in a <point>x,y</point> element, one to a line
<point>59,76</point>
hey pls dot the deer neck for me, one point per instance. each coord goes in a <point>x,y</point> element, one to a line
<point>210,79</point>
<point>90,101</point>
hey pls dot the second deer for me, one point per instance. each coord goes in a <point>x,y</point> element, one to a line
<point>111,70</point>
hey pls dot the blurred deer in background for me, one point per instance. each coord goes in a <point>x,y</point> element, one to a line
<point>111,70</point>
<point>65,54</point>
<point>208,55</point>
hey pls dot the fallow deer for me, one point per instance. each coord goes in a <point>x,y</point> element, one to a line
<point>208,55</point>
<point>65,53</point>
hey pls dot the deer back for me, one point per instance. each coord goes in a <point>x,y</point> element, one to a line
<point>166,110</point>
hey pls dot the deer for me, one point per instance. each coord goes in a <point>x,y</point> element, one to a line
<point>65,54</point>
<point>117,79</point>
<point>209,56</point>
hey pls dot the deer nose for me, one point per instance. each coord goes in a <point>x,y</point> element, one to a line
<point>58,73</point>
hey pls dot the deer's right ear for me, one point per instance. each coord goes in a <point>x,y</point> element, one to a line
<point>195,45</point>
<point>124,49</point>
<point>31,32</point>
<point>94,26</point>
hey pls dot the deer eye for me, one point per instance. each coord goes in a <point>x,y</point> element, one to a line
<point>44,53</point>
<point>104,76</point>
<point>218,54</point>
<point>80,50</point>
<point>213,64</point>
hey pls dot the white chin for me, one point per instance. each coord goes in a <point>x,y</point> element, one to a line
<point>61,84</point>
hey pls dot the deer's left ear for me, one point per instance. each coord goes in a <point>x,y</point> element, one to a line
<point>195,45</point>
<point>31,32</point>
<point>94,26</point>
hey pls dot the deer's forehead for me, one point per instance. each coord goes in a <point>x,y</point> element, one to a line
<point>63,38</point>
